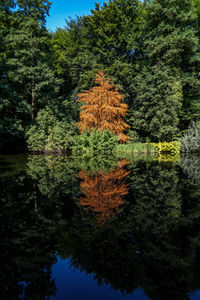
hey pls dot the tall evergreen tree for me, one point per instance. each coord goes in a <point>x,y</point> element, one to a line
<point>159,100</point>
<point>197,8</point>
<point>36,9</point>
<point>170,42</point>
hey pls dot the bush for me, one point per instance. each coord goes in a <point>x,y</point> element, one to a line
<point>190,142</point>
<point>96,141</point>
<point>61,137</point>
<point>171,148</point>
<point>191,167</point>
<point>49,134</point>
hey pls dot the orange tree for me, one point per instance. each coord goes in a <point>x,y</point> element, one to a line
<point>103,108</point>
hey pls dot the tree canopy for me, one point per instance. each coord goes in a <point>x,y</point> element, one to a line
<point>150,49</point>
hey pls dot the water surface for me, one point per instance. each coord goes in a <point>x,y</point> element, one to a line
<point>99,228</point>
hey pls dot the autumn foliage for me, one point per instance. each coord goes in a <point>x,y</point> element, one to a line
<point>103,108</point>
<point>103,192</point>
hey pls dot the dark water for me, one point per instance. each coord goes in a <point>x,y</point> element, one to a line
<point>99,228</point>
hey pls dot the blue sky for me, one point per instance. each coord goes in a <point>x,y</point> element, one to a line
<point>63,9</point>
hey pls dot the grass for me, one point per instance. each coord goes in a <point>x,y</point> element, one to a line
<point>162,152</point>
<point>136,151</point>
<point>136,148</point>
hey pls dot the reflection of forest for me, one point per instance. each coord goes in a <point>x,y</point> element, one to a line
<point>31,219</point>
<point>27,238</point>
<point>104,191</point>
<point>191,167</point>
<point>153,242</point>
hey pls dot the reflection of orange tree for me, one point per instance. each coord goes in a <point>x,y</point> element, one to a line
<point>103,192</point>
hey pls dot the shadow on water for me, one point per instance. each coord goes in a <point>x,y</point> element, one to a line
<point>131,225</point>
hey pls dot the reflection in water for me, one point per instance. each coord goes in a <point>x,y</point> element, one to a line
<point>27,238</point>
<point>191,167</point>
<point>104,191</point>
<point>153,242</point>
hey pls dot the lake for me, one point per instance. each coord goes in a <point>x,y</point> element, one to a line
<point>99,228</point>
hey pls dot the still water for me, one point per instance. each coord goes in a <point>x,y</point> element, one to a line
<point>99,228</point>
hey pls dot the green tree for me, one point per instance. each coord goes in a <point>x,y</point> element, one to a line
<point>28,66</point>
<point>197,7</point>
<point>170,42</point>
<point>158,104</point>
<point>113,32</point>
<point>51,132</point>
<point>36,9</point>
<point>107,39</point>
<point>73,61</point>
<point>7,94</point>
<point>27,82</point>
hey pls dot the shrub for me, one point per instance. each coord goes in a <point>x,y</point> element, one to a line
<point>36,138</point>
<point>61,137</point>
<point>190,142</point>
<point>95,141</point>
<point>168,157</point>
<point>191,167</point>
<point>171,148</point>
<point>49,134</point>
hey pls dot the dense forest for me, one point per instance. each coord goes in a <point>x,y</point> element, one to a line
<point>149,49</point>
